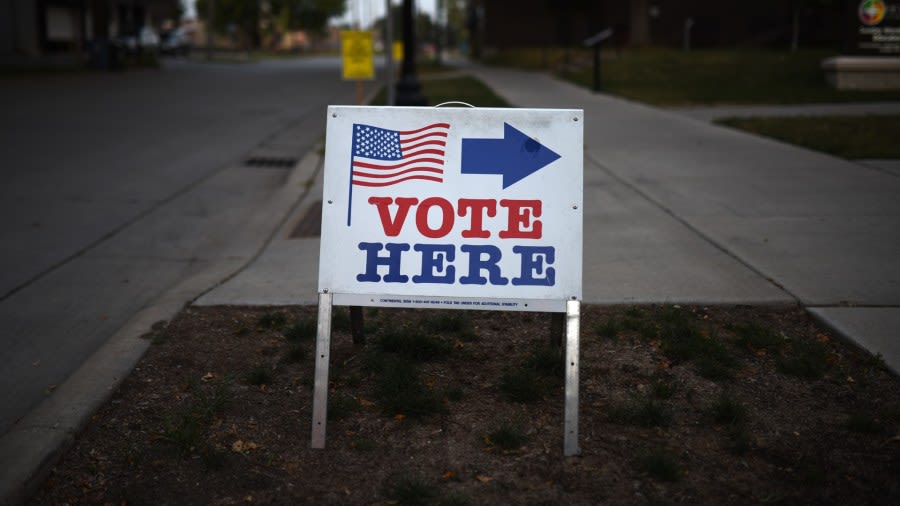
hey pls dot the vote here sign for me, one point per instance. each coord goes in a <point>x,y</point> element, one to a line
<point>452,208</point>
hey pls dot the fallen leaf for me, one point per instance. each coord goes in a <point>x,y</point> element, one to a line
<point>399,417</point>
<point>447,475</point>
<point>241,446</point>
<point>365,403</point>
<point>850,379</point>
<point>483,479</point>
<point>823,338</point>
<point>208,377</point>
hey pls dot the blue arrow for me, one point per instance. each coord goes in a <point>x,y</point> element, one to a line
<point>515,156</point>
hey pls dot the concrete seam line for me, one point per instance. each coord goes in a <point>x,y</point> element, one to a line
<point>23,475</point>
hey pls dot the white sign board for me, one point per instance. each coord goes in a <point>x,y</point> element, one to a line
<point>452,208</point>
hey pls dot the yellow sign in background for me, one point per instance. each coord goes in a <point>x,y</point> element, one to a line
<point>356,49</point>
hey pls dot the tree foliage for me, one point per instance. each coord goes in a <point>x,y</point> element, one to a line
<point>252,18</point>
<point>311,15</point>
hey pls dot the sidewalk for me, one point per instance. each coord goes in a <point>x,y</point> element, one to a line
<point>680,211</point>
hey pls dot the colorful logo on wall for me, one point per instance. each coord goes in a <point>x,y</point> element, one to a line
<point>871,12</point>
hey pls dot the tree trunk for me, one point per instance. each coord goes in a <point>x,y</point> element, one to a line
<point>640,22</point>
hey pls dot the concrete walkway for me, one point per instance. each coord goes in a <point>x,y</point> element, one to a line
<point>681,211</point>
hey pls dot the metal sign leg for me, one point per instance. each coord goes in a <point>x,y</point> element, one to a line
<point>320,388</point>
<point>573,328</point>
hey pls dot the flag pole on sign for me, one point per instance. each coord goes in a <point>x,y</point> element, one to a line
<point>382,157</point>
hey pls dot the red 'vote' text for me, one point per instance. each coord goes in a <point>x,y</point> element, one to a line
<point>521,218</point>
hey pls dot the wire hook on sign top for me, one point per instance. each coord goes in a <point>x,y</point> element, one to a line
<point>454,102</point>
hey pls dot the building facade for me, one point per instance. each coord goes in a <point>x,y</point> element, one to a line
<point>44,31</point>
<point>503,24</point>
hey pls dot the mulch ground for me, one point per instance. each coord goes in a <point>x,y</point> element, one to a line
<point>702,405</point>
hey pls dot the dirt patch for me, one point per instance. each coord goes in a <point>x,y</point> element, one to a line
<point>698,405</point>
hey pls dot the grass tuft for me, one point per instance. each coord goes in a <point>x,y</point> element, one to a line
<point>411,490</point>
<point>730,412</point>
<point>609,329</point>
<point>456,323</point>
<point>727,410</point>
<point>413,344</point>
<point>187,429</point>
<point>863,424</point>
<point>643,412</point>
<point>521,384</point>
<point>635,320</point>
<point>548,361</point>
<point>260,375</point>
<point>535,375</point>
<point>454,393</point>
<point>272,320</point>
<point>296,353</point>
<point>340,320</point>
<point>683,341</point>
<point>806,359</point>
<point>507,437</point>
<point>739,439</point>
<point>659,464</point>
<point>663,388</point>
<point>399,389</point>
<point>341,407</point>
<point>304,330</point>
<point>446,322</point>
<point>757,337</point>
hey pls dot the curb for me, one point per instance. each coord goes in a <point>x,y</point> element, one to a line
<point>29,450</point>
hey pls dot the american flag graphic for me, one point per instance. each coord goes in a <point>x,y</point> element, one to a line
<point>383,157</point>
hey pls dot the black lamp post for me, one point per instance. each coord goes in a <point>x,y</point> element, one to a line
<point>409,91</point>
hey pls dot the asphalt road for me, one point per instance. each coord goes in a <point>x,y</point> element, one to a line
<point>118,186</point>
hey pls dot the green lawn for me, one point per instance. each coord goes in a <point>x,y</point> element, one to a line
<point>460,89</point>
<point>711,76</point>
<point>844,136</point>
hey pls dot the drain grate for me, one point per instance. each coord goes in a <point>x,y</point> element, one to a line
<point>270,162</point>
<point>311,224</point>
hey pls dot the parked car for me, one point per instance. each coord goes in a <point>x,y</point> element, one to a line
<point>176,42</point>
<point>146,41</point>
